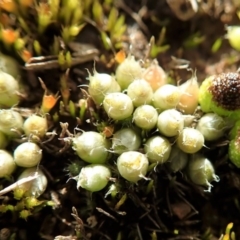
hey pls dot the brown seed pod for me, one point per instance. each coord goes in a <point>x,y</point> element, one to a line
<point>225,89</point>
<point>220,94</point>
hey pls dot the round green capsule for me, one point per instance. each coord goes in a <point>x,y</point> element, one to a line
<point>128,71</point>
<point>124,140</point>
<point>118,106</point>
<point>140,91</point>
<point>235,130</point>
<point>233,35</point>
<point>11,122</point>
<point>157,149</point>
<point>93,177</point>
<point>211,126</point>
<point>170,122</point>
<point>234,151</point>
<point>145,117</point>
<point>7,164</point>
<point>190,140</point>
<point>201,171</point>
<point>100,85</point>
<point>177,160</point>
<point>132,165</point>
<point>91,147</point>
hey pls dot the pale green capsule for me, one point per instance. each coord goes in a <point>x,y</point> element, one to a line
<point>128,71</point>
<point>27,154</point>
<point>7,164</point>
<point>145,117</point>
<point>157,149</point>
<point>190,140</point>
<point>233,35</point>
<point>124,140</point>
<point>170,122</point>
<point>11,122</point>
<point>100,85</point>
<point>132,165</point>
<point>36,187</point>
<point>91,147</point>
<point>211,126</point>
<point>93,177</point>
<point>118,106</point>
<point>140,91</point>
<point>201,172</point>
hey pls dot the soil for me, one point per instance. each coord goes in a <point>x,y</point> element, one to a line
<point>176,209</point>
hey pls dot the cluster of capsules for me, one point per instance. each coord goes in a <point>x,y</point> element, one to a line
<point>24,134</point>
<point>154,123</point>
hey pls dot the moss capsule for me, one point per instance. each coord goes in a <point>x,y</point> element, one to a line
<point>145,117</point>
<point>9,65</point>
<point>201,171</point>
<point>35,125</point>
<point>93,177</point>
<point>124,140</point>
<point>9,121</point>
<point>27,154</point>
<point>211,126</point>
<point>155,76</point>
<point>118,106</point>
<point>157,149</point>
<point>128,71</point>
<point>188,101</point>
<point>234,146</point>
<point>36,187</point>
<point>177,160</point>
<point>7,164</point>
<point>140,92</point>
<point>100,85</point>
<point>166,97</point>
<point>190,140</point>
<point>234,151</point>
<point>132,165</point>
<point>8,90</point>
<point>220,94</point>
<point>235,130</point>
<point>91,147</point>
<point>233,35</point>
<point>170,122</point>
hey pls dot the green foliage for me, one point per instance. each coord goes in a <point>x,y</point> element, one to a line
<point>216,45</point>
<point>25,34</point>
<point>25,206</point>
<point>110,24</point>
<point>229,234</point>
<point>193,40</point>
<point>160,46</point>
